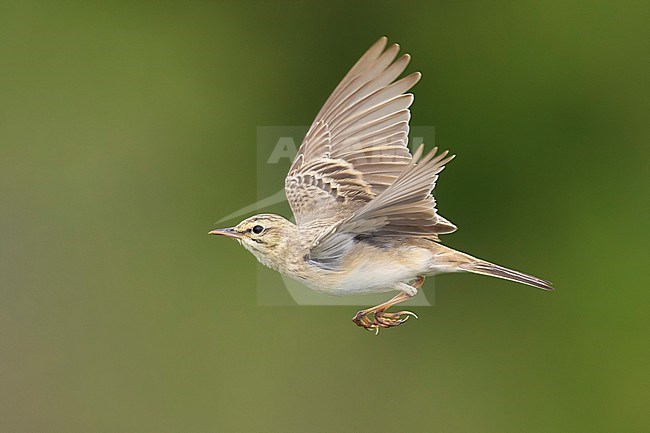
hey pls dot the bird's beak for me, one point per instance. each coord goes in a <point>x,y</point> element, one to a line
<point>229,232</point>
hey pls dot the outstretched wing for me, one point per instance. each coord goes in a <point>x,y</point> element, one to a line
<point>405,208</point>
<point>357,145</point>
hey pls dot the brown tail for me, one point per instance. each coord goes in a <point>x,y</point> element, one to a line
<point>482,267</point>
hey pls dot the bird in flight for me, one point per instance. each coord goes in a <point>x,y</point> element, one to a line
<point>366,219</point>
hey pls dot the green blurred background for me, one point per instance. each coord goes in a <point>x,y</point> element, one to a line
<point>128,128</point>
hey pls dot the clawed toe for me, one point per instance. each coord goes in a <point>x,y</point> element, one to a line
<point>390,320</point>
<point>381,319</point>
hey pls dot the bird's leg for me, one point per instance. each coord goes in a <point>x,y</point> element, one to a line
<point>382,319</point>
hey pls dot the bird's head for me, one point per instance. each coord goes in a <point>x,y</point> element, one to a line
<point>264,235</point>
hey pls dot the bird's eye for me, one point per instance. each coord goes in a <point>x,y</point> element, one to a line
<point>258,229</point>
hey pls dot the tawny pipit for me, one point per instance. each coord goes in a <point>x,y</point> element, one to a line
<point>366,221</point>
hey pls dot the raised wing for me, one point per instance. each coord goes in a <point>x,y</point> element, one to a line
<point>405,208</point>
<point>357,145</point>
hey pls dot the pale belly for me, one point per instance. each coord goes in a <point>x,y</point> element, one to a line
<point>373,270</point>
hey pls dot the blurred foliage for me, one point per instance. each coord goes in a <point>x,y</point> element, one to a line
<point>128,128</point>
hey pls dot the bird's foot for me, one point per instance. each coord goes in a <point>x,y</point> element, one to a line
<point>381,319</point>
<point>389,320</point>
